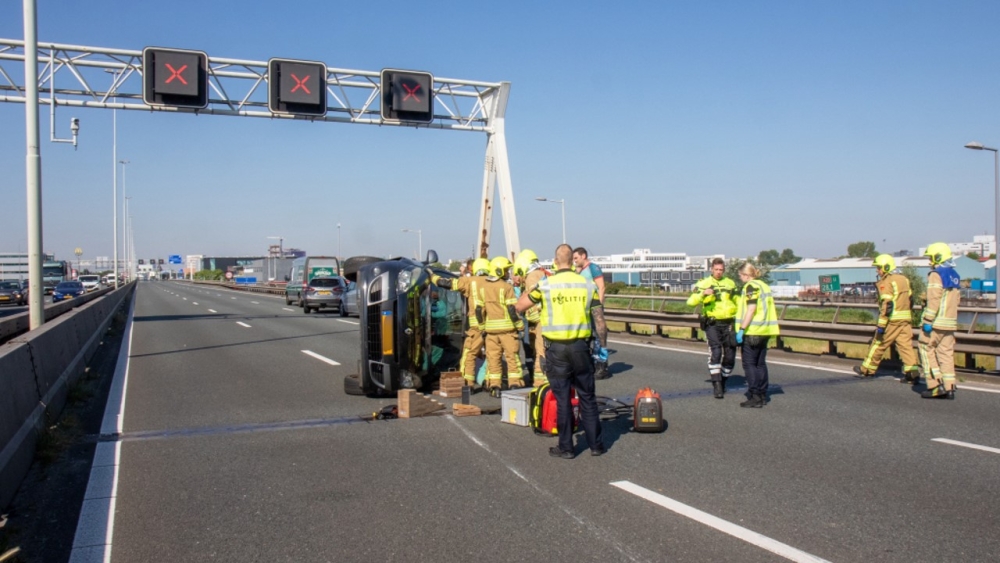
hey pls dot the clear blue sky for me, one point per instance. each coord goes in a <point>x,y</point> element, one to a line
<point>699,127</point>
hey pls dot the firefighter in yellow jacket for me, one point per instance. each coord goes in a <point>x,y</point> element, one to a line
<point>530,272</point>
<point>471,287</point>
<point>501,325</point>
<point>716,295</point>
<point>940,321</point>
<point>893,326</point>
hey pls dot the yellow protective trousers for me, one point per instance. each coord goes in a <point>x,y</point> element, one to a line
<point>937,354</point>
<point>899,333</point>
<point>471,349</point>
<point>535,336</point>
<point>508,346</point>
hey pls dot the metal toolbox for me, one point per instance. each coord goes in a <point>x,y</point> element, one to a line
<point>515,406</point>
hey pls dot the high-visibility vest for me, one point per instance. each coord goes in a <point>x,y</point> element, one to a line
<point>566,298</point>
<point>943,297</point>
<point>765,317</point>
<point>719,305</point>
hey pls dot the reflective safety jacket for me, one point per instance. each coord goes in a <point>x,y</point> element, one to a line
<point>721,304</point>
<point>470,287</point>
<point>765,317</point>
<point>534,314</point>
<point>498,307</point>
<point>894,299</point>
<point>941,311</point>
<point>566,298</point>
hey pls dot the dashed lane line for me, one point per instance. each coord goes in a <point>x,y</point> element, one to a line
<point>348,322</point>
<point>194,303</point>
<point>287,309</point>
<point>749,536</point>
<point>243,324</point>
<point>967,445</point>
<point>321,358</point>
<point>256,302</point>
<point>212,311</point>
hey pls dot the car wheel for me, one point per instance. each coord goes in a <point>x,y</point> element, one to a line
<point>352,385</point>
<point>306,310</point>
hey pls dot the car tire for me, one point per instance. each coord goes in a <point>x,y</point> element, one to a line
<point>352,385</point>
<point>306,310</point>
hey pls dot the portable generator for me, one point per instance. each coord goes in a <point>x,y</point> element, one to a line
<point>647,413</point>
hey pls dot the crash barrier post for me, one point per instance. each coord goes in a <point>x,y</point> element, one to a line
<point>36,372</point>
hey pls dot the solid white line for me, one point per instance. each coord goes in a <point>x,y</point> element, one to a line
<point>348,322</point>
<point>287,309</point>
<point>320,358</point>
<point>967,445</point>
<point>212,311</point>
<point>749,536</point>
<point>243,324</point>
<point>669,349</point>
<point>255,302</point>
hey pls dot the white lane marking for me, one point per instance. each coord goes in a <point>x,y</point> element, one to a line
<point>320,358</point>
<point>550,498</point>
<point>749,536</point>
<point>967,445</point>
<point>184,298</point>
<point>980,389</point>
<point>243,324</point>
<point>287,309</point>
<point>232,298</point>
<point>212,311</point>
<point>256,302</point>
<point>348,322</point>
<point>194,303</point>
<point>95,526</point>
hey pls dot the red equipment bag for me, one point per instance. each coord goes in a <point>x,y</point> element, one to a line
<point>543,410</point>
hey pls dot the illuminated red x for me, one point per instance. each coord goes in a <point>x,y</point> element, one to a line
<point>175,74</point>
<point>300,84</point>
<point>411,92</point>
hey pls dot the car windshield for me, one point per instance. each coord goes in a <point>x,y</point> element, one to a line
<point>325,282</point>
<point>69,286</point>
<point>90,278</point>
<point>9,285</point>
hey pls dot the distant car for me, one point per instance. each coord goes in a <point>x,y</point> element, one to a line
<point>67,290</point>
<point>90,282</point>
<point>349,301</point>
<point>322,293</point>
<point>12,294</point>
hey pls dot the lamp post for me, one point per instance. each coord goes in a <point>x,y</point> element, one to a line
<point>562,204</point>
<point>114,177</point>
<point>975,145</point>
<point>338,244</point>
<point>124,220</point>
<point>420,241</point>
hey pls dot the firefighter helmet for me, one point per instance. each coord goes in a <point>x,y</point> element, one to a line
<point>884,263</point>
<point>938,253</point>
<point>480,267</point>
<point>499,266</point>
<point>527,256</point>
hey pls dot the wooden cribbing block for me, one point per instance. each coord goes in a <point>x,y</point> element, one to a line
<point>412,404</point>
<point>465,410</point>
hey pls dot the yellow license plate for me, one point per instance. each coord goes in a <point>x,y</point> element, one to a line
<point>323,292</point>
<point>4,298</point>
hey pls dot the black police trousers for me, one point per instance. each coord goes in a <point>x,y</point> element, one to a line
<point>754,355</point>
<point>569,365</point>
<point>723,353</point>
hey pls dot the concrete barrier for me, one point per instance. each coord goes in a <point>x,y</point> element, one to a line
<point>17,324</point>
<point>36,372</point>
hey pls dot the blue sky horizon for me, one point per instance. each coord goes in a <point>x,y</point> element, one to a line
<point>725,127</point>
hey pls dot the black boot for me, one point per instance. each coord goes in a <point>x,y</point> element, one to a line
<point>754,402</point>
<point>937,393</point>
<point>717,389</point>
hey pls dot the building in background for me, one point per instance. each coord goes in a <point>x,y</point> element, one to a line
<point>983,245</point>
<point>13,266</point>
<point>673,271</point>
<point>859,273</point>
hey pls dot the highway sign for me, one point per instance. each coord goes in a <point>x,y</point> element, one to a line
<point>174,77</point>
<point>407,95</point>
<point>229,275</point>
<point>296,87</point>
<point>829,284</point>
<point>174,258</point>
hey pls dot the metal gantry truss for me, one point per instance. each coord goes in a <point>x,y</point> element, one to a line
<point>94,77</point>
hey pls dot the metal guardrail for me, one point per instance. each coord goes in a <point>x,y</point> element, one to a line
<point>252,288</point>
<point>968,341</point>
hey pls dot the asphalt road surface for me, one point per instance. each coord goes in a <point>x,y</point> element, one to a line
<point>239,444</point>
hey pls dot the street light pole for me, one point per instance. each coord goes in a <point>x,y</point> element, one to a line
<point>124,221</point>
<point>338,243</point>
<point>562,204</point>
<point>280,254</point>
<point>33,165</point>
<point>974,145</point>
<point>114,177</point>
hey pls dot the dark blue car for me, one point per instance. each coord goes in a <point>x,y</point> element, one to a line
<point>67,290</point>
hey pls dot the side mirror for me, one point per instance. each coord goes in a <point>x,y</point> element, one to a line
<point>432,257</point>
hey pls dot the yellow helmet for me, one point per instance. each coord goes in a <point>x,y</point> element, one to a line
<point>884,263</point>
<point>938,253</point>
<point>480,267</point>
<point>527,256</point>
<point>520,268</point>
<point>499,266</point>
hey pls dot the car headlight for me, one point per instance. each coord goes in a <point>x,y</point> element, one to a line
<point>407,279</point>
